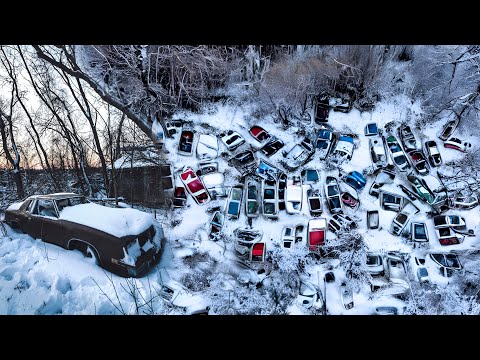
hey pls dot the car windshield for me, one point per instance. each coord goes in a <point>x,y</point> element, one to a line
<point>312,175</point>
<point>440,220</point>
<point>454,219</point>
<point>372,128</point>
<point>245,158</point>
<point>218,218</point>
<point>232,139</point>
<point>324,134</point>
<point>332,190</point>
<point>269,194</point>
<point>373,260</point>
<point>322,144</point>
<point>296,152</point>
<point>401,218</point>
<point>451,260</point>
<point>334,203</point>
<point>390,199</point>
<point>314,203</point>
<point>296,205</point>
<point>252,192</point>
<point>400,160</point>
<point>420,231</point>
<point>287,232</point>
<point>423,271</point>
<point>63,203</point>
<point>236,194</point>
<point>443,232</point>
<point>202,197</point>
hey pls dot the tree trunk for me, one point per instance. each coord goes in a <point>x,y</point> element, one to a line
<point>17,176</point>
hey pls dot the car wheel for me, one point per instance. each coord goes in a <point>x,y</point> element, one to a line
<point>92,254</point>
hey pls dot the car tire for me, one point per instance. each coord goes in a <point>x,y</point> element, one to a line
<point>86,249</point>
<point>92,254</point>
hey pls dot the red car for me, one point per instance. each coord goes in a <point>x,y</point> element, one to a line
<point>316,234</point>
<point>194,185</point>
<point>259,134</point>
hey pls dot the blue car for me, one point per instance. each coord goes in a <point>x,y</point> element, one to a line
<point>324,143</point>
<point>356,180</point>
<point>371,129</point>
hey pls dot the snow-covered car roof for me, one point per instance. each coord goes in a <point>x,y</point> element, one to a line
<point>116,221</point>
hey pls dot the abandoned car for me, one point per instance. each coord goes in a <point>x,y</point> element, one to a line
<point>126,242</point>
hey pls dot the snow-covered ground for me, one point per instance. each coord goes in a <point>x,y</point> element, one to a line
<point>39,278</point>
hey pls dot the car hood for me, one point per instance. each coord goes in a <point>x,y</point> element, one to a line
<point>15,206</point>
<point>118,222</point>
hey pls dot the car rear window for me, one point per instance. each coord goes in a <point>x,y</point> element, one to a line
<point>269,194</point>
<point>420,231</point>
<point>268,208</point>
<point>233,208</point>
<point>334,203</point>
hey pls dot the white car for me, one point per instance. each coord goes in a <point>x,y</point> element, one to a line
<point>464,202</point>
<point>332,194</point>
<point>269,199</point>
<point>422,274</point>
<point>397,273</point>
<point>377,151</point>
<point>234,202</point>
<point>432,153</point>
<point>346,295</point>
<point>325,140</point>
<point>207,147</point>
<point>419,232</point>
<point>252,201</point>
<point>214,184</point>
<point>232,139</point>
<point>399,223</point>
<point>308,294</point>
<point>375,264</point>
<point>288,237</point>
<point>397,154</point>
<point>175,294</point>
<point>344,147</point>
<point>294,195</point>
<point>457,144</point>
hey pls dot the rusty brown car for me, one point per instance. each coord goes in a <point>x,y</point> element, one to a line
<point>124,241</point>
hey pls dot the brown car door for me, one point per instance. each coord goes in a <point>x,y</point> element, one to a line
<point>51,227</point>
<point>32,224</point>
<point>52,231</point>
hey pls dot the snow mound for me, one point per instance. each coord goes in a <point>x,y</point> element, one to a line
<point>118,222</point>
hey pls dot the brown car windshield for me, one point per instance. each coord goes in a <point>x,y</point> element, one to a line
<point>63,203</point>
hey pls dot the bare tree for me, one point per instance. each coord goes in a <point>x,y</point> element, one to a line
<point>144,82</point>
<point>7,133</point>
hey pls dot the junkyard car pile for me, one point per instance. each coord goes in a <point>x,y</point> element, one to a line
<point>275,178</point>
<point>267,179</point>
